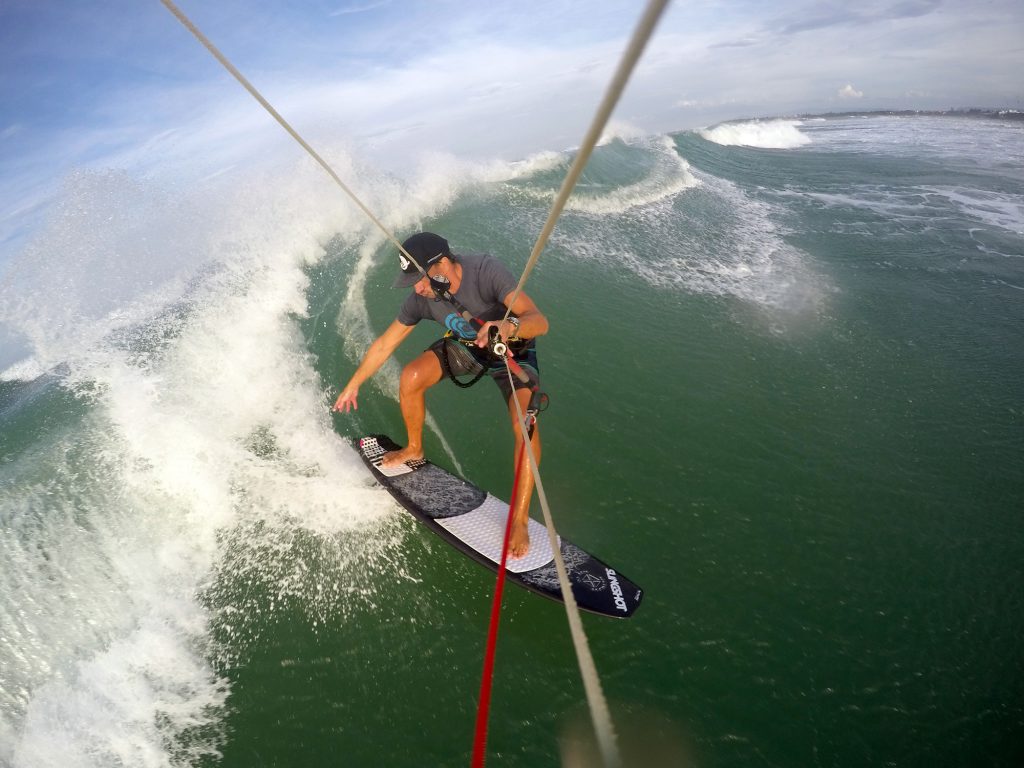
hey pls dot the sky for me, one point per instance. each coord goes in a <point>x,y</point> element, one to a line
<point>123,85</point>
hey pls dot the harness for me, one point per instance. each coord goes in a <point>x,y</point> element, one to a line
<point>446,363</point>
<point>515,346</point>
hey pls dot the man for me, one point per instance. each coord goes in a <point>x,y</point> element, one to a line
<point>484,286</point>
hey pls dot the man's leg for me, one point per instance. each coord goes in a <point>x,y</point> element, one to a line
<point>417,377</point>
<point>519,541</point>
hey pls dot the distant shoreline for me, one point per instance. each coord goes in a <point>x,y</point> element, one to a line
<point>1001,114</point>
<point>975,112</point>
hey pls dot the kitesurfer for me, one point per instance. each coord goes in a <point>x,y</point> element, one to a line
<point>482,285</point>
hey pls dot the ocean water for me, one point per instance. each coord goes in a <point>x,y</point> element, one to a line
<point>787,384</point>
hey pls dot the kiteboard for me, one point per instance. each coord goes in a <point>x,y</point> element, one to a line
<point>473,521</point>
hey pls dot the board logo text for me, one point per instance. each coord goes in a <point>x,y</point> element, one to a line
<point>613,580</point>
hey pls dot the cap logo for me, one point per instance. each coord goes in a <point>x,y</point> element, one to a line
<point>404,262</point>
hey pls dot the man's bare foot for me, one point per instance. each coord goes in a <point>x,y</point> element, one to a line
<point>397,458</point>
<point>519,539</point>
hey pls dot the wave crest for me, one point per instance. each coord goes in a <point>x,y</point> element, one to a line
<point>762,134</point>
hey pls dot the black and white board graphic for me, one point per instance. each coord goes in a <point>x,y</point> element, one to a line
<point>473,521</point>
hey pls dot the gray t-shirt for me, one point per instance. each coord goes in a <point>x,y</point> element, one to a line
<point>485,284</point>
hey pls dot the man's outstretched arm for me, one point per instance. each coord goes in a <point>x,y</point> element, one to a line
<point>378,353</point>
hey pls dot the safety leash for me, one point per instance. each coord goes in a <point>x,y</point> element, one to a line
<point>600,714</point>
<point>483,707</point>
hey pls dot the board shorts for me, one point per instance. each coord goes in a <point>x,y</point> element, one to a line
<point>465,360</point>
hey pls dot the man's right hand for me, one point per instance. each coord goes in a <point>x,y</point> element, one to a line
<point>347,400</point>
<point>375,357</point>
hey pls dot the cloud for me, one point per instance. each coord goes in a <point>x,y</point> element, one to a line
<point>849,92</point>
<point>912,9</point>
<point>824,20</point>
<point>745,42</point>
<point>358,8</point>
<point>840,15</point>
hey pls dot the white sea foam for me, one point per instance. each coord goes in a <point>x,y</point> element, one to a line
<point>110,255</point>
<point>205,419</point>
<point>890,205</point>
<point>27,369</point>
<point>539,163</point>
<point>999,210</point>
<point>958,143</point>
<point>924,207</point>
<point>754,262</point>
<point>699,233</point>
<point>764,134</point>
<point>669,175</point>
<point>666,174</point>
<point>713,239</point>
<point>619,129</point>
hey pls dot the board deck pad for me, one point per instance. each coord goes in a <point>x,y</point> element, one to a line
<point>473,521</point>
<point>483,529</point>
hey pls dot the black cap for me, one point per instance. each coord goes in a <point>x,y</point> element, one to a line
<point>426,248</point>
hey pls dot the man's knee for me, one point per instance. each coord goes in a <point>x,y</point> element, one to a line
<point>523,396</point>
<point>421,373</point>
